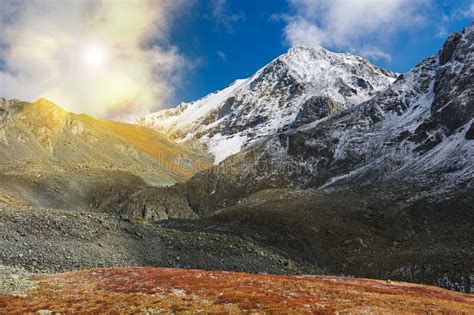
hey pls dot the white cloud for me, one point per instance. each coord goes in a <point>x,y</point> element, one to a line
<point>364,26</point>
<point>222,16</point>
<point>374,53</point>
<point>470,11</point>
<point>465,12</point>
<point>442,32</point>
<point>107,58</point>
<point>222,55</point>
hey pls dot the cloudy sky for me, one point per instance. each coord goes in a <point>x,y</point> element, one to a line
<point>122,58</point>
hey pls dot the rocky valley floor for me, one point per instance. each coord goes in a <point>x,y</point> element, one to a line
<point>51,240</point>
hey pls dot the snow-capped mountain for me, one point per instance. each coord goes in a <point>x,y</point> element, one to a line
<point>415,139</point>
<point>301,86</point>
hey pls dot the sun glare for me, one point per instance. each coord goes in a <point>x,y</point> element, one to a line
<point>94,56</point>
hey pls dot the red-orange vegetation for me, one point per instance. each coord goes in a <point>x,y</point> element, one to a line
<point>151,290</point>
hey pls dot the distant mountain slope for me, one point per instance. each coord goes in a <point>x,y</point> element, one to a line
<point>298,87</point>
<point>41,145</point>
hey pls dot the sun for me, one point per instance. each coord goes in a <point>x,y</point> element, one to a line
<point>94,56</point>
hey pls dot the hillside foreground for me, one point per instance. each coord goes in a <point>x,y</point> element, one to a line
<point>150,290</point>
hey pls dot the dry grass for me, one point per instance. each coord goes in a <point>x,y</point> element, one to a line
<point>152,290</point>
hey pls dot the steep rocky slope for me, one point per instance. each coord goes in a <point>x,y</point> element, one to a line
<point>296,88</point>
<point>52,158</point>
<point>154,290</point>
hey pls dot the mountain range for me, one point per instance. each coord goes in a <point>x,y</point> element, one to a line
<point>417,133</point>
<point>319,163</point>
<point>382,188</point>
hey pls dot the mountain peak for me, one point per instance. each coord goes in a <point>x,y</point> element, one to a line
<point>317,52</point>
<point>303,48</point>
<point>303,85</point>
<point>308,54</point>
<point>47,105</point>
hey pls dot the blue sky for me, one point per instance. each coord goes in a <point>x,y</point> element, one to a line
<point>120,59</point>
<point>249,34</point>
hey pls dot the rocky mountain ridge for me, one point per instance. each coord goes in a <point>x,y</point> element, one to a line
<point>301,86</point>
